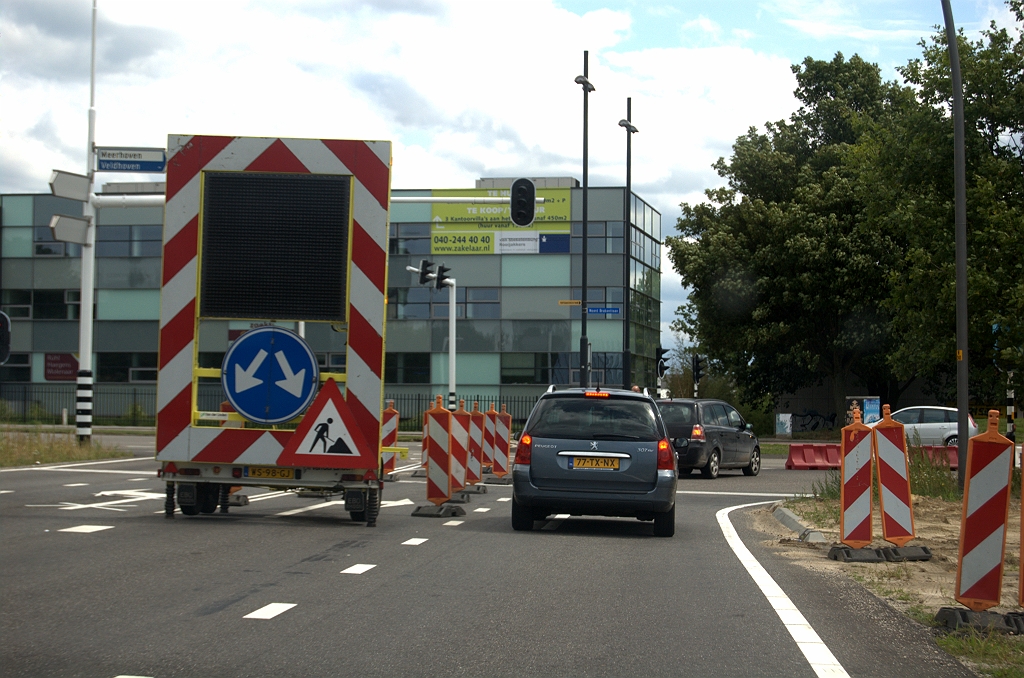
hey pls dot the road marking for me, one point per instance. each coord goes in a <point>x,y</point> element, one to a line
<point>137,480</point>
<point>6,491</point>
<point>358,569</point>
<point>504,498</point>
<point>454,522</point>
<point>481,510</point>
<point>406,468</point>
<point>71,506</point>
<point>416,541</point>
<point>269,611</point>
<point>398,502</point>
<point>555,522</point>
<point>817,654</point>
<point>86,529</point>
<point>311,507</point>
<point>266,495</point>
<point>783,495</point>
<point>76,484</point>
<point>68,466</point>
<point>127,676</point>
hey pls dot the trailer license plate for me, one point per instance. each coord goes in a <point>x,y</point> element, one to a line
<point>269,472</point>
<point>595,462</point>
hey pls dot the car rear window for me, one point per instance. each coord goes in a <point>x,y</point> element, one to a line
<point>678,414</point>
<point>594,419</point>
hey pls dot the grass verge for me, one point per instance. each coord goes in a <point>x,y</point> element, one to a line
<point>25,448</point>
<point>774,449</point>
<point>993,654</point>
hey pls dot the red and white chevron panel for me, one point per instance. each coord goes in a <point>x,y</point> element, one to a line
<point>490,421</point>
<point>855,495</point>
<point>502,435</point>
<point>460,446</point>
<point>894,479</point>
<point>986,507</point>
<point>474,464</point>
<point>389,436</point>
<point>437,444</point>
<point>369,162</point>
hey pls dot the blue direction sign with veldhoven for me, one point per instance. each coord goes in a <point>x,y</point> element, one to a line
<point>270,375</point>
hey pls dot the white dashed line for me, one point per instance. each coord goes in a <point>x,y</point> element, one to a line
<point>398,502</point>
<point>86,529</point>
<point>817,654</point>
<point>311,507</point>
<point>481,510</point>
<point>358,569</point>
<point>416,541</point>
<point>76,485</point>
<point>454,522</point>
<point>504,498</point>
<point>269,611</point>
<point>123,675</point>
<point>744,494</point>
<point>6,491</point>
<point>137,480</point>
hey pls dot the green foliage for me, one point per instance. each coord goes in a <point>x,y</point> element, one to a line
<point>997,654</point>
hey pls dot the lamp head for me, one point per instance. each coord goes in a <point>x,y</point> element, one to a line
<point>628,125</point>
<point>582,80</point>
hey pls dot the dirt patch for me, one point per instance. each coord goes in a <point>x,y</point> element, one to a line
<point>917,588</point>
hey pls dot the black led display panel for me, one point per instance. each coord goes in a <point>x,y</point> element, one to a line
<point>275,246</point>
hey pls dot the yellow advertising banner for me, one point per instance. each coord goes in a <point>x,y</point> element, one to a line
<point>461,228</point>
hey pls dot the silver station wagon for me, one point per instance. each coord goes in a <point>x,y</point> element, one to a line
<point>595,452</point>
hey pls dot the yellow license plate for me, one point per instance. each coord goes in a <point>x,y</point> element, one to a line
<point>269,472</point>
<point>595,462</point>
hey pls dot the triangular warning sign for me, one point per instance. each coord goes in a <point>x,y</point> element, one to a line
<point>328,436</point>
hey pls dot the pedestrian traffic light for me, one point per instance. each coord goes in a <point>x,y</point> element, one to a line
<point>524,200</point>
<point>5,337</point>
<point>698,368</point>
<point>442,275</point>
<point>662,361</point>
<point>426,270</point>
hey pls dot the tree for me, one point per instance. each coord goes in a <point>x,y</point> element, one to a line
<point>788,280</point>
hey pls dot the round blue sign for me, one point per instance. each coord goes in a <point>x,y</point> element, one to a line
<point>270,375</point>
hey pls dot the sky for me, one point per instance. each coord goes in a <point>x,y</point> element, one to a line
<point>463,88</point>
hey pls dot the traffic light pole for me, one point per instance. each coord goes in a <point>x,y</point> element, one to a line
<point>426,275</point>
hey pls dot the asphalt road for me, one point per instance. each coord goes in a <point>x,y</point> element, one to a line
<point>147,596</point>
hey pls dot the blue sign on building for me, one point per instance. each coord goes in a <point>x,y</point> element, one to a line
<point>602,311</point>
<point>270,375</point>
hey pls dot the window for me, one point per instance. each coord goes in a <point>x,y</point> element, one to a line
<point>331,362</point>
<point>18,368</point>
<point>408,303</point>
<point>126,367</point>
<point>129,241</point>
<point>410,239</point>
<point>535,368</point>
<point>735,420</point>
<point>16,303</point>
<point>471,302</point>
<point>45,245</point>
<point>932,415</point>
<point>407,368</point>
<point>55,304</point>
<point>911,416</point>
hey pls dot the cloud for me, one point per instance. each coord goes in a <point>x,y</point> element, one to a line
<point>828,19</point>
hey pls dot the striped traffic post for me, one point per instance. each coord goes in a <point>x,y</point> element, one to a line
<point>890,445</point>
<point>986,508</point>
<point>490,421</point>
<point>502,432</point>
<point>459,447</point>
<point>855,495</point>
<point>474,464</point>
<point>438,453</point>
<point>389,436</point>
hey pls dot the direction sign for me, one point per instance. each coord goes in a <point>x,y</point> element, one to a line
<point>569,302</point>
<point>110,159</point>
<point>602,311</point>
<point>270,375</point>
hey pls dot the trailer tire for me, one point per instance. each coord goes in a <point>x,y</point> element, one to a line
<point>208,497</point>
<point>189,510</point>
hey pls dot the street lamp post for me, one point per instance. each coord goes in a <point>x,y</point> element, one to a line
<point>584,343</point>
<point>627,368</point>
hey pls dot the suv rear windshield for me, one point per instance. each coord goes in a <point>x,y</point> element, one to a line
<point>585,418</point>
<point>678,415</point>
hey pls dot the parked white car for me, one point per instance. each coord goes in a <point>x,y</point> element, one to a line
<point>932,425</point>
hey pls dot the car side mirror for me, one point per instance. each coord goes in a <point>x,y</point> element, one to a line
<point>749,427</point>
<point>515,436</point>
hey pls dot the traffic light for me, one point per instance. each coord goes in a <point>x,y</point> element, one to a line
<point>5,337</point>
<point>662,361</point>
<point>442,275</point>
<point>524,201</point>
<point>698,368</point>
<point>426,270</point>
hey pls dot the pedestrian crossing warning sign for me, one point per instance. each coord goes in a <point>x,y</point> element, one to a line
<point>328,436</point>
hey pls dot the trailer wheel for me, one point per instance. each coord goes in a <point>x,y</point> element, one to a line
<point>189,510</point>
<point>209,496</point>
<point>358,516</point>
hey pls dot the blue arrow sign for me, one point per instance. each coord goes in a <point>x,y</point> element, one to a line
<point>270,375</point>
<point>602,311</point>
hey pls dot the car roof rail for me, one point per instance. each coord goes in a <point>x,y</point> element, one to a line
<point>646,393</point>
<point>551,389</point>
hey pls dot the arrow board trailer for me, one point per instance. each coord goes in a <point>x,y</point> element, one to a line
<point>265,238</point>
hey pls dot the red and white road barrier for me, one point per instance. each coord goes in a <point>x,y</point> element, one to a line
<point>986,507</point>
<point>459,446</point>
<point>389,436</point>
<point>490,421</point>
<point>475,458</point>
<point>855,495</point>
<point>890,445</point>
<point>436,443</point>
<point>502,433</point>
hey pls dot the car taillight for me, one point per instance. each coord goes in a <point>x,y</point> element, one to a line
<point>973,425</point>
<point>596,394</point>
<point>666,459</point>
<point>524,450</point>
<point>697,433</point>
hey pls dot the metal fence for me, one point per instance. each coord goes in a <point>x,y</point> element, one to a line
<point>411,407</point>
<point>112,404</point>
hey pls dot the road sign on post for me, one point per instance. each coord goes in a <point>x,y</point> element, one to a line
<point>112,159</point>
<point>270,375</point>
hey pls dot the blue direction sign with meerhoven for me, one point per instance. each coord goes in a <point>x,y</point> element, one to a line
<point>270,375</point>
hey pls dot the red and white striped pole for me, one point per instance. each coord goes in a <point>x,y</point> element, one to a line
<point>855,495</point>
<point>490,421</point>
<point>502,432</point>
<point>460,446</point>
<point>438,453</point>
<point>890,445</point>
<point>389,436</point>
<point>474,464</point>
<point>986,508</point>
